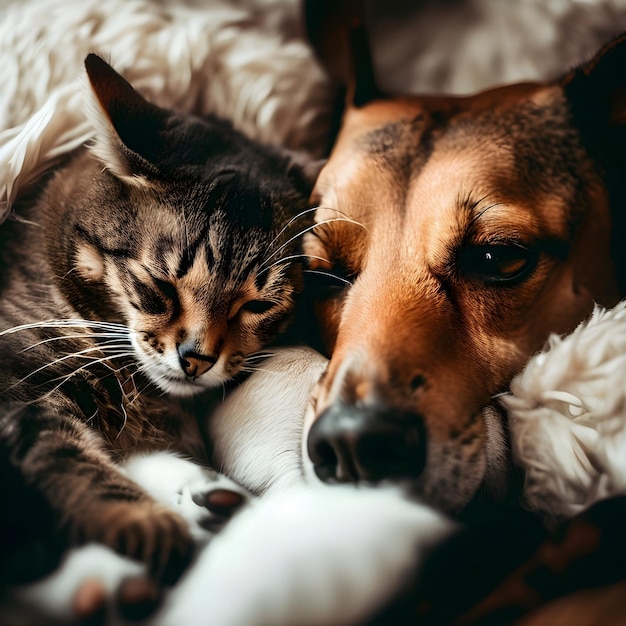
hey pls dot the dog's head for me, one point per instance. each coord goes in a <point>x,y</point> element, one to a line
<point>463,231</point>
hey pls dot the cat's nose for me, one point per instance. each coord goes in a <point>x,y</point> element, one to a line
<point>194,364</point>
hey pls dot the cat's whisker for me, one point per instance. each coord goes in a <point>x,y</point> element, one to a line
<point>343,280</point>
<point>66,323</point>
<point>259,355</point>
<point>267,268</point>
<point>301,214</point>
<point>70,271</point>
<point>61,380</point>
<point>103,361</point>
<point>306,230</point>
<point>109,337</point>
<point>125,421</point>
<point>289,223</point>
<point>81,354</point>
<point>252,370</point>
<point>92,417</point>
<point>152,378</point>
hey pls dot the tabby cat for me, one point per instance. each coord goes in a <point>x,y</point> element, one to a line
<point>154,266</point>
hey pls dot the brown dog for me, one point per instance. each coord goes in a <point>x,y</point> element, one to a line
<point>463,231</point>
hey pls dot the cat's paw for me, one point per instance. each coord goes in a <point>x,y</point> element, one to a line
<point>209,502</point>
<point>205,498</point>
<point>145,531</point>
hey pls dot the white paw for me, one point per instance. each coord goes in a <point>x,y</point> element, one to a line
<point>203,497</point>
<point>55,595</point>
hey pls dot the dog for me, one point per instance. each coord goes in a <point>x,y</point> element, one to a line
<point>458,233</point>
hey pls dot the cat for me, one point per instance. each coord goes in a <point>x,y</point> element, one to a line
<point>154,266</point>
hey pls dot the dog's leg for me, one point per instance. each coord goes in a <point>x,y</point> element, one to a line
<point>257,432</point>
<point>308,555</point>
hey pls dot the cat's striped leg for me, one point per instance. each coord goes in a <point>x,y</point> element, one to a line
<point>94,582</point>
<point>89,498</point>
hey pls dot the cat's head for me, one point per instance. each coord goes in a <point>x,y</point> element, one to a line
<point>181,229</point>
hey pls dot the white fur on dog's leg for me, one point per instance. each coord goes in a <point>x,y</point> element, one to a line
<point>307,556</point>
<point>258,429</point>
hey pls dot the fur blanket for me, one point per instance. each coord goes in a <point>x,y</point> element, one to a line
<point>247,60</point>
<point>244,60</point>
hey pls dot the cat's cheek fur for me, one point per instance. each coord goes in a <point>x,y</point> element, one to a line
<point>89,263</point>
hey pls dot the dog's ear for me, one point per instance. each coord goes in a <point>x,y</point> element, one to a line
<point>337,31</point>
<point>596,89</point>
<point>127,126</point>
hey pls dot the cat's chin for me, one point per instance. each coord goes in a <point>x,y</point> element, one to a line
<point>180,388</point>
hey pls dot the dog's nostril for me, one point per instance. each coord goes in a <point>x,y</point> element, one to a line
<point>417,382</point>
<point>384,455</point>
<point>324,459</point>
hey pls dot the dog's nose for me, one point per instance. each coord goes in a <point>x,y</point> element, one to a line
<point>194,364</point>
<point>350,444</point>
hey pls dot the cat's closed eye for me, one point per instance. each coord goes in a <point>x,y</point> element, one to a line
<point>258,306</point>
<point>166,288</point>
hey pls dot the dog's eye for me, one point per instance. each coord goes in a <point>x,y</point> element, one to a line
<point>497,264</point>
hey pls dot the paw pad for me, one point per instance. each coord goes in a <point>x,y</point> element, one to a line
<point>220,501</point>
<point>138,597</point>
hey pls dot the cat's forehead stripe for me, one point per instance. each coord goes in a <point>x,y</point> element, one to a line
<point>190,251</point>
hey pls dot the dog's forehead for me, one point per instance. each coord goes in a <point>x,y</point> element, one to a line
<point>517,140</point>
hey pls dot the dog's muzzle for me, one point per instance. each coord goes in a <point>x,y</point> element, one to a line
<point>351,444</point>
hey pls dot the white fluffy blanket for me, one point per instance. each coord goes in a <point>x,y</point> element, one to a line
<point>567,416</point>
<point>245,60</point>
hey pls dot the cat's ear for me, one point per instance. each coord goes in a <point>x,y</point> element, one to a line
<point>127,126</point>
<point>596,90</point>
